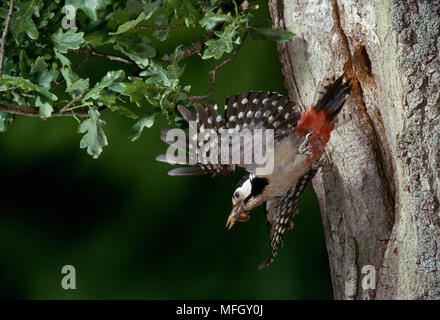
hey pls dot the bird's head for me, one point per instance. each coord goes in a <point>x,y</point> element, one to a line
<point>247,195</point>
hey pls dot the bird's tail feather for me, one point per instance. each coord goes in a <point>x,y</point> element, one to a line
<point>318,122</point>
<point>331,96</point>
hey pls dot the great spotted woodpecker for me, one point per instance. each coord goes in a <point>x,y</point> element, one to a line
<point>299,141</point>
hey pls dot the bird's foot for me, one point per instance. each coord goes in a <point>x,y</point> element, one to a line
<point>305,147</point>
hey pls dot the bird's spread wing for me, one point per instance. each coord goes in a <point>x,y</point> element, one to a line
<point>280,211</point>
<point>253,110</point>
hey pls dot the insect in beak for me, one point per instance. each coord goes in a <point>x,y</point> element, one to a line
<point>237,214</point>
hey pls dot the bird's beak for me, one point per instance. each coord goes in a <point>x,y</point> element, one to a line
<point>237,214</point>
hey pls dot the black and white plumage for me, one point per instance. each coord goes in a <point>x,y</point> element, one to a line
<point>254,110</point>
<point>299,139</point>
<point>280,211</point>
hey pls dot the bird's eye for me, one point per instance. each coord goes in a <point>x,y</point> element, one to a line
<point>237,195</point>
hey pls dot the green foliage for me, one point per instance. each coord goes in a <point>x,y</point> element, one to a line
<point>106,81</point>
<point>94,139</point>
<point>25,85</point>
<point>211,19</point>
<point>278,35</point>
<point>227,36</point>
<point>215,48</point>
<point>144,122</point>
<point>127,26</point>
<point>137,48</point>
<point>44,59</point>
<point>89,7</point>
<point>185,9</point>
<point>42,73</point>
<point>6,121</point>
<point>22,24</point>
<point>44,106</point>
<point>69,40</point>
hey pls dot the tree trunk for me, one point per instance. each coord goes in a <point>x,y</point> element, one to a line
<point>379,190</point>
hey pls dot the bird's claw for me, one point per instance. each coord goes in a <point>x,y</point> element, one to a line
<point>305,147</point>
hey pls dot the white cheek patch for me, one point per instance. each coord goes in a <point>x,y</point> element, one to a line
<point>245,189</point>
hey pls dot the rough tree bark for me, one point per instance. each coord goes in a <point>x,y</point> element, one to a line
<point>379,190</point>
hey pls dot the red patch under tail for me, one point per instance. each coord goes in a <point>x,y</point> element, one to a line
<point>319,124</point>
<point>318,120</point>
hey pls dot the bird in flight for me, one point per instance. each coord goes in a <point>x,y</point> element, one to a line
<point>293,142</point>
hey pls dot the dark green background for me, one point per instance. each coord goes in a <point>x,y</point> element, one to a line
<point>131,231</point>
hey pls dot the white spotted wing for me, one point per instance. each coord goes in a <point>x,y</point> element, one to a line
<point>253,110</point>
